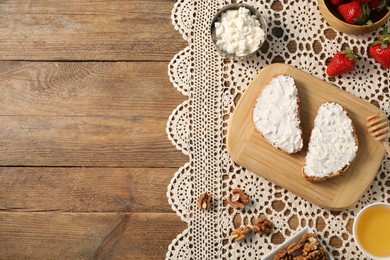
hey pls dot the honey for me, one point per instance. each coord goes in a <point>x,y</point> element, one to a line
<point>373,231</point>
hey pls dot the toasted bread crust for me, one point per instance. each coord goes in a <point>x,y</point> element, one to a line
<point>339,172</point>
<point>298,115</point>
<point>318,179</point>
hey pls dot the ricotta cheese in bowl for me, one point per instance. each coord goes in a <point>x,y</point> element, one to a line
<point>238,32</point>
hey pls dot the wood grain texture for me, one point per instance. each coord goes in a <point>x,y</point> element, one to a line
<point>85,189</point>
<point>250,149</point>
<point>137,90</point>
<point>86,114</point>
<point>95,114</point>
<point>95,141</point>
<point>88,30</point>
<point>87,236</point>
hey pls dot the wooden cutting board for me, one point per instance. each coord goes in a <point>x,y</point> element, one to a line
<point>249,149</point>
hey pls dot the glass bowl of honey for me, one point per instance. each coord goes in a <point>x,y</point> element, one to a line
<point>371,230</point>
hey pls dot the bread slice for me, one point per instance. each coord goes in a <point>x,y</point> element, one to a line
<point>276,114</point>
<point>333,144</point>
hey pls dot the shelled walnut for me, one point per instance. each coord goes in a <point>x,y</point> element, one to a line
<point>240,233</point>
<point>238,199</point>
<point>262,225</point>
<point>308,248</point>
<point>205,201</point>
<point>312,249</point>
<point>283,255</point>
<point>318,254</point>
<point>294,247</point>
<point>309,238</point>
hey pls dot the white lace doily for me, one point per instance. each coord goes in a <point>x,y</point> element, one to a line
<point>198,126</point>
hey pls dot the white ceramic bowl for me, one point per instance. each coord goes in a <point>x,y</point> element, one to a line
<point>380,204</point>
<point>236,6</point>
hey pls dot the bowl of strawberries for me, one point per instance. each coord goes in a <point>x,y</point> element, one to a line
<point>356,16</point>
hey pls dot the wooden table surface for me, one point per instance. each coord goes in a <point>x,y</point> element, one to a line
<point>84,157</point>
<point>84,100</point>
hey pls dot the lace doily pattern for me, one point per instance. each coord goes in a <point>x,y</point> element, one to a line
<point>297,36</point>
<point>178,127</point>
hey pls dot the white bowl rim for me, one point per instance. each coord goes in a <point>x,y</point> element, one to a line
<point>375,204</point>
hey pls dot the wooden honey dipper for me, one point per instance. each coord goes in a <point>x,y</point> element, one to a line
<point>379,128</point>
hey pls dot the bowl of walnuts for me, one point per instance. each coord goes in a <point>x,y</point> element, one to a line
<point>305,244</point>
<point>357,16</point>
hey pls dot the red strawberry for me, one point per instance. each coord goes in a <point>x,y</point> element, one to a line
<point>380,50</point>
<point>377,5</point>
<point>342,62</point>
<point>354,12</point>
<point>364,1</point>
<point>336,2</point>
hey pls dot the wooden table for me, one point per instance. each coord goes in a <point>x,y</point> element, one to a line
<point>84,101</point>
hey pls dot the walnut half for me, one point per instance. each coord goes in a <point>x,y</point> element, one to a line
<point>204,201</point>
<point>312,249</point>
<point>319,254</point>
<point>238,199</point>
<point>262,225</point>
<point>294,247</point>
<point>283,255</point>
<point>240,233</point>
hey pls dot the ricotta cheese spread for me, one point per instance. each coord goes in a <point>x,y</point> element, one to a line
<point>238,32</point>
<point>332,143</point>
<point>276,114</point>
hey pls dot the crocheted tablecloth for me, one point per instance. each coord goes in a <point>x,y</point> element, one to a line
<point>299,36</point>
